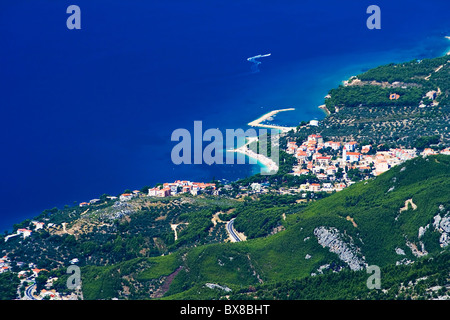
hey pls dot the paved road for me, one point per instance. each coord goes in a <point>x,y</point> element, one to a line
<point>231,231</point>
<point>29,291</point>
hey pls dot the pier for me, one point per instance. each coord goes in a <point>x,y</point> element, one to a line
<point>257,122</point>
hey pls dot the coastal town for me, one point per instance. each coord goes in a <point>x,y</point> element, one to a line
<point>339,164</point>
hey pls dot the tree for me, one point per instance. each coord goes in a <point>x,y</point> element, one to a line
<point>104,197</point>
<point>41,280</point>
<point>8,286</point>
<point>425,141</point>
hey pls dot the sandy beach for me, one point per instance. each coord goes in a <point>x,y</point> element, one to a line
<point>324,109</point>
<point>270,165</point>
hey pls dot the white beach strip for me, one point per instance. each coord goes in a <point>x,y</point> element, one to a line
<point>448,38</point>
<point>268,163</point>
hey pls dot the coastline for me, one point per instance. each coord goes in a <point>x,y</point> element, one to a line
<point>324,109</point>
<point>260,163</point>
<point>448,49</point>
<point>268,164</point>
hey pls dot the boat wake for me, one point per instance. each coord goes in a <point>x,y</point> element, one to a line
<point>256,63</point>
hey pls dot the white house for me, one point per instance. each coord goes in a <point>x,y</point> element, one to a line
<point>322,176</point>
<point>37,225</point>
<point>331,170</point>
<point>4,269</point>
<point>164,192</point>
<point>353,156</point>
<point>333,145</point>
<point>126,196</point>
<point>24,232</point>
<point>323,160</point>
<point>315,137</point>
<point>351,146</point>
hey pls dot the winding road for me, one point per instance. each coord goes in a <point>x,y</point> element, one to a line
<point>232,232</point>
<point>29,290</point>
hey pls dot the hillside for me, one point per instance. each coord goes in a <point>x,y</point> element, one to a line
<point>394,221</point>
<point>394,104</point>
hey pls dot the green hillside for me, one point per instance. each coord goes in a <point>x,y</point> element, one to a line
<point>359,226</point>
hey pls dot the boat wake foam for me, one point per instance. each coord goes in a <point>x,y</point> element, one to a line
<point>256,63</point>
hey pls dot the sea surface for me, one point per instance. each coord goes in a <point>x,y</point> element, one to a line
<point>91,111</point>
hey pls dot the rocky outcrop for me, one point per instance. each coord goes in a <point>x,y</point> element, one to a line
<point>216,286</point>
<point>332,239</point>
<point>442,225</point>
<point>415,250</point>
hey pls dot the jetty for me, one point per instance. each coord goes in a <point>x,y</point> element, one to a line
<point>257,122</point>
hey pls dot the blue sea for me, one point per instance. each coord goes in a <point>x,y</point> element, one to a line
<point>91,111</point>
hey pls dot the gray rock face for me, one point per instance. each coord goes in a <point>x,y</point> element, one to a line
<point>442,225</point>
<point>445,224</point>
<point>415,250</point>
<point>120,209</point>
<point>332,239</point>
<point>422,231</point>
<point>216,286</point>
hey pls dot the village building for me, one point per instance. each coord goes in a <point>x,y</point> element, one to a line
<point>126,196</point>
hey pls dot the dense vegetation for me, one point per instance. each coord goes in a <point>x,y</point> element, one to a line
<point>425,279</point>
<point>261,217</point>
<point>373,96</point>
<point>8,286</point>
<point>416,76</point>
<point>362,109</point>
<point>367,212</point>
<point>102,237</point>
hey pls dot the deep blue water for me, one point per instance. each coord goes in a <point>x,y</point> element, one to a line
<point>91,111</point>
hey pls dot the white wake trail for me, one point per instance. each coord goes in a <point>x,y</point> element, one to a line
<point>255,62</point>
